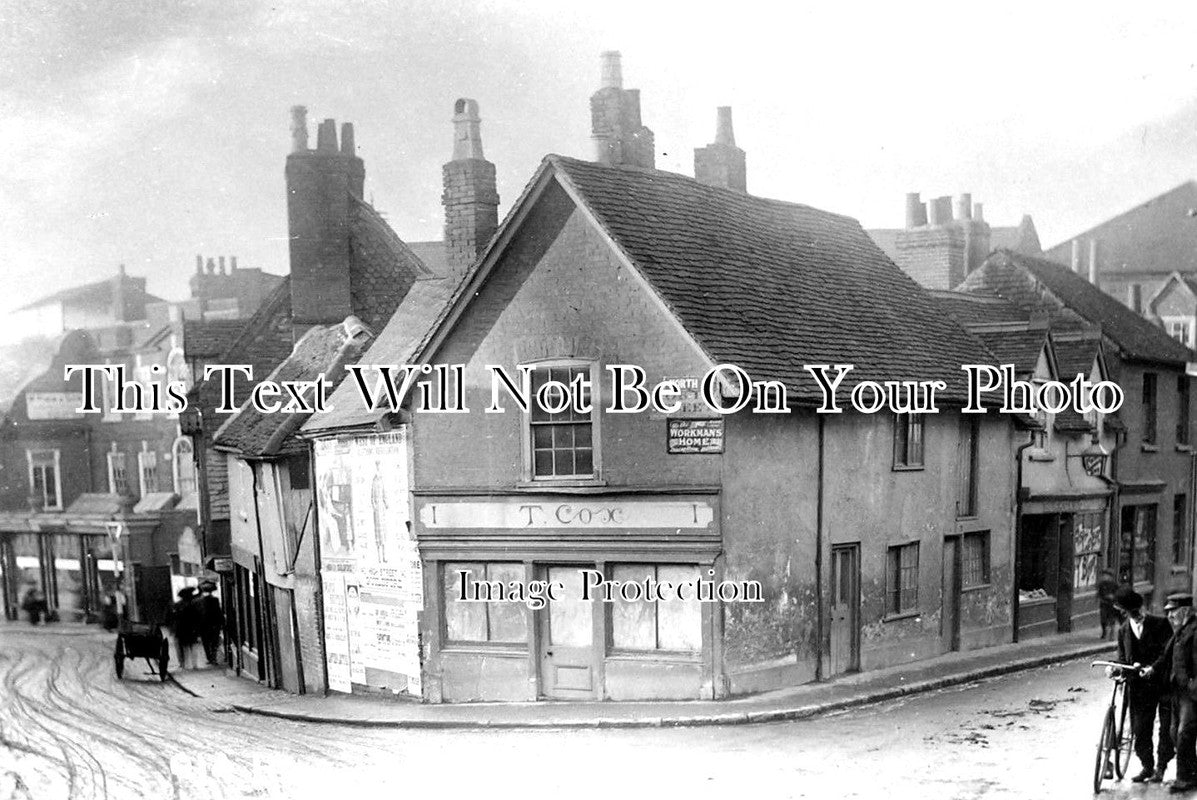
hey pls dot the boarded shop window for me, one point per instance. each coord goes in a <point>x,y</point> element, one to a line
<point>908,440</point>
<point>297,471</point>
<point>1149,408</point>
<point>1088,538</point>
<point>672,624</point>
<point>975,565</point>
<point>118,474</point>
<point>1182,409</point>
<point>44,478</point>
<point>562,443</point>
<point>1182,544</point>
<point>902,579</point>
<point>473,621</point>
<point>1138,544</point>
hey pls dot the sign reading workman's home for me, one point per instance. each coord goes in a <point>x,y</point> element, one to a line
<point>695,436</point>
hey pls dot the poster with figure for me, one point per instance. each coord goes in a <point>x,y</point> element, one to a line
<point>364,525</point>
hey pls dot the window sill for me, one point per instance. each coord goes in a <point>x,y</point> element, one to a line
<point>1184,448</point>
<point>976,588</point>
<point>561,483</point>
<point>909,468</point>
<point>1150,448</point>
<point>902,616</point>
<point>1041,456</point>
<point>1179,570</point>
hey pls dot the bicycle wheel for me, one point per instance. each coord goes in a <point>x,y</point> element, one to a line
<point>1103,750</point>
<point>1125,741</point>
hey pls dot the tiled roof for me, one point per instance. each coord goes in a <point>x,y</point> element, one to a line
<point>1018,347</point>
<point>1158,236</point>
<point>771,285</point>
<point>1036,284</point>
<point>382,267</point>
<point>323,349</point>
<point>977,309</point>
<point>210,338</point>
<point>1075,355</point>
<point>394,345</point>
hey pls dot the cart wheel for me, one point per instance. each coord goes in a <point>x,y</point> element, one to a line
<point>163,659</point>
<point>118,657</point>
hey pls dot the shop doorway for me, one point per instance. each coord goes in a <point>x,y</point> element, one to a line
<point>567,639</point>
<point>845,609</point>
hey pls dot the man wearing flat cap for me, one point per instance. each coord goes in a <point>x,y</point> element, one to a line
<point>1143,640</point>
<point>1184,689</point>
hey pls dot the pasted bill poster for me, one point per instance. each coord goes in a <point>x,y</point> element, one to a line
<point>363,497</point>
<point>336,632</point>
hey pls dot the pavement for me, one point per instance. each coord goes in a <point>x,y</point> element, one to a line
<point>223,691</point>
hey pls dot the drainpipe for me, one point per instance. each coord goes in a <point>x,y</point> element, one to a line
<point>1017,529</point>
<point>819,626</point>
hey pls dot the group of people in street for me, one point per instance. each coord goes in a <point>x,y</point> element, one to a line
<point>1162,684</point>
<point>197,618</point>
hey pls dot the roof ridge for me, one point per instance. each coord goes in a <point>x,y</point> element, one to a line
<point>1137,207</point>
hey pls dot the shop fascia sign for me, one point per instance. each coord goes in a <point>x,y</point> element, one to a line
<point>533,513</point>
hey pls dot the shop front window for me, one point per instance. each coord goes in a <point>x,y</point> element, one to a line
<point>1088,538</point>
<point>666,624</point>
<point>1138,544</point>
<point>477,619</point>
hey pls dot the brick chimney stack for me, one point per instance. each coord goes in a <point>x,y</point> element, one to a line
<point>319,185</point>
<point>620,138</point>
<point>471,198</point>
<point>944,240</point>
<point>722,163</point>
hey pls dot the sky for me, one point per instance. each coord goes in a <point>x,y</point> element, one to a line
<point>145,132</point>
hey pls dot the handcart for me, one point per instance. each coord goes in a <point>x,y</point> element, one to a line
<point>142,640</point>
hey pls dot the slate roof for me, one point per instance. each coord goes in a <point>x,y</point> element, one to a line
<point>1158,236</point>
<point>1036,284</point>
<point>323,349</point>
<point>1018,347</point>
<point>382,266</point>
<point>98,292</point>
<point>211,338</point>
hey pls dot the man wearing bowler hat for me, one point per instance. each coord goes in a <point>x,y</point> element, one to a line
<point>1184,689</point>
<point>1143,641</point>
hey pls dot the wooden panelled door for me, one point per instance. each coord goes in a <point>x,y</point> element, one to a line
<point>845,609</point>
<point>950,621</point>
<point>567,639</point>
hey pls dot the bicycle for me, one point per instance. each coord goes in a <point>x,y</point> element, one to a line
<point>1116,744</point>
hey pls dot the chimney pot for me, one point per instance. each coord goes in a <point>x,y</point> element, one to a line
<point>962,207</point>
<point>232,263</point>
<point>199,265</point>
<point>120,270</point>
<point>348,147</point>
<point>326,136</point>
<point>299,129</point>
<point>612,70</point>
<point>978,212</point>
<point>1076,255</point>
<point>222,265</point>
<point>1093,262</point>
<point>916,212</point>
<point>211,266</point>
<point>467,130</point>
<point>724,134</point>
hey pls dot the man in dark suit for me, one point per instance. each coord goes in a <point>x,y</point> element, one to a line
<point>1143,640</point>
<point>1183,682</point>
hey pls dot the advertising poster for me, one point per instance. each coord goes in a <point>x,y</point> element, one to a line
<point>365,539</point>
<point>336,632</point>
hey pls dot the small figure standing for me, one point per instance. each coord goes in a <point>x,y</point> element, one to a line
<point>1143,640</point>
<point>185,625</point>
<point>211,620</point>
<point>35,605</point>
<point>1183,683</point>
<point>1107,585</point>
